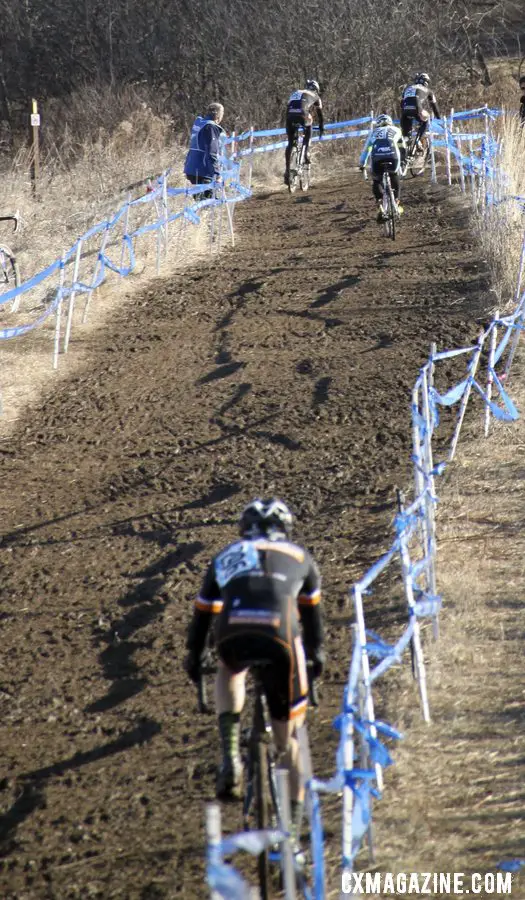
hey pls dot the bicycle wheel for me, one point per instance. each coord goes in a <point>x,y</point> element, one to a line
<point>420,154</point>
<point>294,169</point>
<point>304,172</point>
<point>262,806</point>
<point>392,211</point>
<point>9,271</point>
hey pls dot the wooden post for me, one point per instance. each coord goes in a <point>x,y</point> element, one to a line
<point>35,149</point>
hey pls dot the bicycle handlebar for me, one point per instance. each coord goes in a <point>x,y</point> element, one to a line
<point>14,218</point>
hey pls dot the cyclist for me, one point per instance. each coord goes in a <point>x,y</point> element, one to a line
<point>299,113</point>
<point>416,99</point>
<point>522,100</point>
<point>260,589</point>
<point>387,149</point>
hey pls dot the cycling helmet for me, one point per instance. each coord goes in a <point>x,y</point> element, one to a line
<point>265,516</point>
<point>383,120</point>
<point>422,78</point>
<point>312,85</point>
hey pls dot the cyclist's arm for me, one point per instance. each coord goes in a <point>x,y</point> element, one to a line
<point>363,159</point>
<point>320,117</point>
<point>207,605</point>
<point>310,610</point>
<point>434,106</point>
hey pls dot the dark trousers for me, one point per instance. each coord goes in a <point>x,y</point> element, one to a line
<point>200,179</point>
<point>293,123</point>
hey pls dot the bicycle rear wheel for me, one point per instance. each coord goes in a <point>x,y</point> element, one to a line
<point>389,209</point>
<point>304,176</point>
<point>263,812</point>
<point>293,177</point>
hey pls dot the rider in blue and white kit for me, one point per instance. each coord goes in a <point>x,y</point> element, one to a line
<point>387,149</point>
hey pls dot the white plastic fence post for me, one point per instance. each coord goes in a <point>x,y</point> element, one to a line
<point>306,762</point>
<point>58,314</point>
<point>213,835</point>
<point>365,668</point>
<point>95,274</point>
<point>348,757</point>
<point>472,174</point>
<point>451,126</point>
<point>460,163</point>
<point>71,306</point>
<point>490,377</point>
<point>364,760</point>
<point>430,549</point>
<point>466,394</point>
<point>419,480</point>
<point>419,664</point>
<point>126,227</point>
<point>166,213</point>
<point>447,150</point>
<point>287,859</point>
<point>250,147</point>
<point>433,173</point>
<point>229,214</point>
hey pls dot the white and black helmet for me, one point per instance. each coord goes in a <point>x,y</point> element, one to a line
<point>422,78</point>
<point>312,85</point>
<point>383,121</point>
<point>265,516</point>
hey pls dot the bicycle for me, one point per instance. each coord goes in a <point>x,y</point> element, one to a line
<point>299,170</point>
<point>261,802</point>
<point>9,270</point>
<point>418,153</point>
<point>389,207</point>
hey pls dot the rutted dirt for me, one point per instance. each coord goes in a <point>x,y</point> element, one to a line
<point>283,369</point>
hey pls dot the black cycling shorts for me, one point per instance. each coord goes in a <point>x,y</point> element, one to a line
<point>382,164</point>
<point>283,669</point>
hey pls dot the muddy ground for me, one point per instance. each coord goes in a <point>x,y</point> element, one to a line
<point>283,368</point>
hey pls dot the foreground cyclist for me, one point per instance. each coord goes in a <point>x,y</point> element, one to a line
<point>299,114</point>
<point>415,102</point>
<point>260,589</point>
<point>387,149</point>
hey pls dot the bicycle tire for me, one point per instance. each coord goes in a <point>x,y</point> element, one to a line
<point>262,806</point>
<point>9,270</point>
<point>392,211</point>
<point>294,170</point>
<point>304,173</point>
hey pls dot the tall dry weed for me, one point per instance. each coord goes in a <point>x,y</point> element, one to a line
<point>503,226</point>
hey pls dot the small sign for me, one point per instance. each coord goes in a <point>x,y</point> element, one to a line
<point>35,120</point>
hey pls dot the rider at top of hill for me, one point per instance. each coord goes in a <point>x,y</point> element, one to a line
<point>299,113</point>
<point>387,149</point>
<point>416,99</point>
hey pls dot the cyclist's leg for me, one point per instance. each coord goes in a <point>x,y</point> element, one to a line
<point>287,701</point>
<point>307,139</point>
<point>230,694</point>
<point>406,124</point>
<point>291,133</point>
<point>423,120</point>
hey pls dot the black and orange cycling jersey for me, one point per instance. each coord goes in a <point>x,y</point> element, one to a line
<point>262,592</point>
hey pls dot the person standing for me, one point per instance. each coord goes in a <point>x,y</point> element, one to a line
<point>202,165</point>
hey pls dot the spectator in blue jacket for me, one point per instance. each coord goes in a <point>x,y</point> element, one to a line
<point>202,164</point>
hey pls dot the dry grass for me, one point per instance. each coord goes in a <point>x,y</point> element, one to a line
<point>455,800</point>
<point>502,229</point>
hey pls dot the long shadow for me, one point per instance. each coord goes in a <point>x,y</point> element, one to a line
<point>321,390</point>
<point>143,605</point>
<point>223,371</point>
<point>241,392</point>
<point>335,289</point>
<point>32,796</point>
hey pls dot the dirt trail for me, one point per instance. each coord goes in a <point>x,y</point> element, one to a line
<point>285,368</point>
